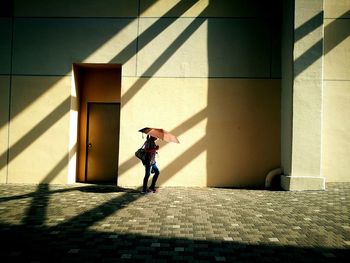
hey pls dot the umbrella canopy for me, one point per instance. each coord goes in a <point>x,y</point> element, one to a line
<point>160,134</point>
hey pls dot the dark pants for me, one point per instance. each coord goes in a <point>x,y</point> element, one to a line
<point>148,169</point>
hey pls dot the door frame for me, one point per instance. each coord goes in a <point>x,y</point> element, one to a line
<point>83,92</point>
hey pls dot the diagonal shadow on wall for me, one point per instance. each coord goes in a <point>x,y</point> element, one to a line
<point>155,29</point>
<point>162,58</point>
<point>39,129</point>
<point>185,126</point>
<point>61,110</point>
<point>80,52</point>
<point>24,142</point>
<point>313,53</point>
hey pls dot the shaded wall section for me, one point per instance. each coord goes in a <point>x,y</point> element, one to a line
<point>243,128</point>
<point>243,131</point>
<point>287,47</point>
<point>4,115</point>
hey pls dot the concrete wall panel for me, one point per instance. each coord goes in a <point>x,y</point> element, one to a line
<point>302,95</point>
<point>183,47</point>
<point>337,8</point>
<point>336,131</point>
<point>5,45</point>
<point>337,49</point>
<point>4,111</point>
<point>76,8</point>
<point>50,46</point>
<point>39,131</point>
<point>336,92</point>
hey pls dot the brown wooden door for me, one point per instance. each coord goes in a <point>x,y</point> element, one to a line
<point>102,142</point>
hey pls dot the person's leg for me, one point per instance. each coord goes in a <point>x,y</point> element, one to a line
<point>155,176</point>
<point>145,179</point>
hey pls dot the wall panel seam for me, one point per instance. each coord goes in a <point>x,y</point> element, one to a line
<point>148,17</point>
<point>211,77</point>
<point>340,80</point>
<point>336,18</point>
<point>75,17</point>
<point>160,77</point>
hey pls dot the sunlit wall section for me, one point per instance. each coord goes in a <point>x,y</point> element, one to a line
<point>39,129</point>
<point>336,92</point>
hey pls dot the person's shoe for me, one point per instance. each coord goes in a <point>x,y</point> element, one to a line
<point>143,192</point>
<point>153,190</point>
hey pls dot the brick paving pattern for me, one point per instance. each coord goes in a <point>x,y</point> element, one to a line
<point>89,223</point>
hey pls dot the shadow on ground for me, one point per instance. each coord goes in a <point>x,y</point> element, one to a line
<point>39,244</point>
<point>55,228</point>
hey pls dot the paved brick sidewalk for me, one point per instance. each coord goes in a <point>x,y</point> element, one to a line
<point>87,223</point>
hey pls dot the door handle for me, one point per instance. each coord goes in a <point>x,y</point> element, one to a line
<point>89,145</point>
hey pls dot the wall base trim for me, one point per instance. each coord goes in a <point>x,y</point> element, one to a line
<point>302,183</point>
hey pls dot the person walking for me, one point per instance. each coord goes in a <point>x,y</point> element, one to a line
<point>150,164</point>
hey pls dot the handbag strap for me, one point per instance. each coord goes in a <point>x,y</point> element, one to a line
<point>143,146</point>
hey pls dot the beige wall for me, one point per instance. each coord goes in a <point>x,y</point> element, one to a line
<point>302,95</point>
<point>210,71</point>
<point>336,94</point>
<point>203,64</point>
<point>39,130</point>
<point>243,131</point>
<point>315,99</point>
